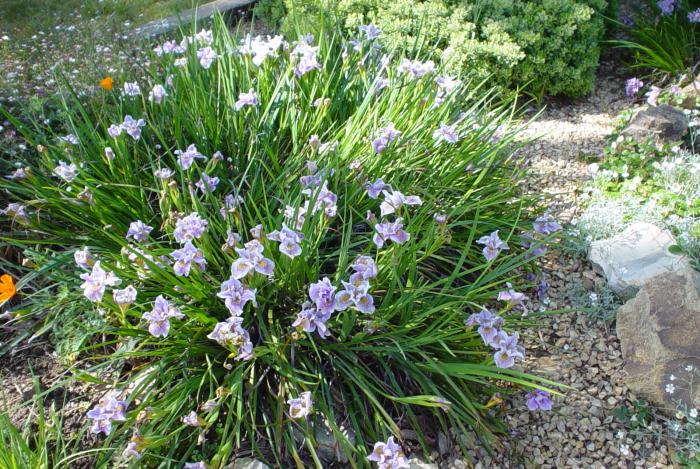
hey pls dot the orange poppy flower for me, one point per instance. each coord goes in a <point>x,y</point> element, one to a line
<point>7,288</point>
<point>107,83</point>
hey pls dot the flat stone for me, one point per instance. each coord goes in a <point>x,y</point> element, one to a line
<point>249,463</point>
<point>659,331</point>
<point>691,94</point>
<point>634,256</point>
<point>415,463</point>
<point>327,446</point>
<point>664,124</point>
<point>158,27</point>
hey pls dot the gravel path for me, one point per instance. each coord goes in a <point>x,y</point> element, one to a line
<point>573,348</point>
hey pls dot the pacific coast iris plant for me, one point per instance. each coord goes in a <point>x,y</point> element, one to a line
<point>290,236</point>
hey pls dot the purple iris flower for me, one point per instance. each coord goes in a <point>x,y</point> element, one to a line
<point>231,335</point>
<point>371,31</point>
<point>538,399</point>
<point>389,231</point>
<point>83,258</point>
<point>185,257</point>
<point>207,183</point>
<point>632,87</point>
<point>125,296</point>
<point>195,465</point>
<point>508,349</point>
<point>365,266</point>
<point>132,89</point>
<point>95,283</point>
<point>546,225</point>
<point>16,210</point>
<point>115,130</point>
<point>310,319</point>
<point>375,188</point>
<point>446,133</point>
<point>251,260</point>
<point>191,419</point>
<point>236,295</point>
<point>325,200</point>
<point>322,294</point>
<point>355,293</point>
<point>157,94</point>
<point>416,68</point>
<point>653,95</point>
<point>666,7</point>
<point>306,57</point>
<point>528,242</point>
<point>133,126</point>
<point>493,245</point>
<point>289,241</point>
<point>186,158</point>
<point>159,317</point>
<point>488,323</point>
<point>190,227</point>
<point>511,296</point>
<point>138,231</point>
<point>694,16</point>
<point>384,137</point>
<point>394,200</point>
<point>109,410</point>
<point>206,57</point>
<point>388,455</point>
<point>66,171</point>
<point>246,99</point>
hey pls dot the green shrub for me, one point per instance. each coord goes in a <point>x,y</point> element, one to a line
<point>408,361</point>
<point>548,46</point>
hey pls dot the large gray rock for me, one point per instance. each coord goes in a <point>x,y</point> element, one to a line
<point>659,331</point>
<point>663,123</point>
<point>634,256</point>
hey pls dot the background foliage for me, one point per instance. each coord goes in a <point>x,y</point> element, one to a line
<point>545,47</point>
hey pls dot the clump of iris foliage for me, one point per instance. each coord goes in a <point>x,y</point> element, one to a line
<point>282,237</point>
<point>662,36</point>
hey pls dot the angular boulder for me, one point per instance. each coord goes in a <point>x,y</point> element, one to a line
<point>663,124</point>
<point>659,331</point>
<point>634,256</point>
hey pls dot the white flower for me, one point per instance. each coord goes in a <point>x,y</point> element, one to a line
<point>670,388</point>
<point>625,450</point>
<point>672,377</point>
<point>693,413</point>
